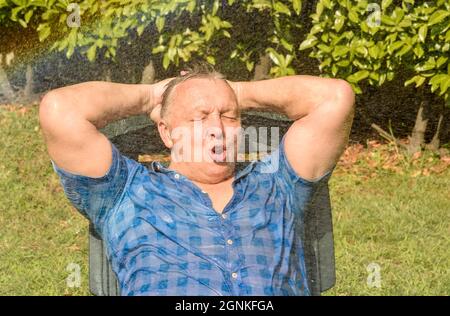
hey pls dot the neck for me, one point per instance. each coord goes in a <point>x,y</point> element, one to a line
<point>201,176</point>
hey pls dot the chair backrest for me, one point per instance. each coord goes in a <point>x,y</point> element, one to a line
<point>318,245</point>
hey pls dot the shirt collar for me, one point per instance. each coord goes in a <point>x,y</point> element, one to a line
<point>159,167</point>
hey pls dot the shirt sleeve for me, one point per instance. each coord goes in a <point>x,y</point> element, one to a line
<point>94,197</point>
<point>278,165</point>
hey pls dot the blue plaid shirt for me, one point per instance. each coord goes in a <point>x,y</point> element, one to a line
<point>163,236</point>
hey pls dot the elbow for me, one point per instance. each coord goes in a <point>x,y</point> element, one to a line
<point>53,111</point>
<point>48,108</point>
<point>344,93</point>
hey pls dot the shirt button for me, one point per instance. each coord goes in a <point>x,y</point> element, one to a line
<point>177,176</point>
<point>204,192</point>
<point>229,241</point>
<point>224,216</point>
<point>234,275</point>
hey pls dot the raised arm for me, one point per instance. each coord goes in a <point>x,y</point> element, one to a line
<point>71,116</point>
<point>323,112</point>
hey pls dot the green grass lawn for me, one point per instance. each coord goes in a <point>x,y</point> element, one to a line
<point>397,220</point>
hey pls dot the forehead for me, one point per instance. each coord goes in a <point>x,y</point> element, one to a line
<point>199,93</point>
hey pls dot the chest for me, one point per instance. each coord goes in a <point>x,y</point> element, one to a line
<point>220,198</point>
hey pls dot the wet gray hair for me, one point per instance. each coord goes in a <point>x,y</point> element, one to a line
<point>198,70</point>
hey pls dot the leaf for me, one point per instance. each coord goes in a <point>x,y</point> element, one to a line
<point>374,51</point>
<point>398,15</point>
<point>43,31</point>
<point>358,76</point>
<point>404,50</point>
<point>385,4</point>
<point>317,28</point>
<point>226,24</point>
<point>158,49</point>
<point>308,43</point>
<point>445,84</point>
<point>140,29</point>
<point>319,10</point>
<point>184,54</point>
<point>276,58</point>
<point>14,13</point>
<point>357,89</point>
<point>441,60</point>
<point>428,65</point>
<point>23,23</point>
<point>166,61</point>
<point>387,20</point>
<point>47,14</point>
<point>112,51</point>
<point>171,53</point>
<point>70,51</point>
<point>423,33</point>
<point>375,76</point>
<point>418,80</point>
<point>340,50</point>
<point>281,8</point>
<point>325,63</point>
<point>211,60</point>
<point>191,6</point>
<point>343,63</point>
<point>353,16</point>
<point>160,21</point>
<point>436,79</point>
<point>394,46</point>
<point>339,22</point>
<point>324,48</point>
<point>249,64</point>
<point>289,58</point>
<point>91,53</point>
<point>297,5</point>
<point>287,45</point>
<point>437,17</point>
<point>326,4</point>
<point>215,8</point>
<point>390,75</point>
<point>362,50</point>
<point>418,51</point>
<point>28,16</point>
<point>334,70</point>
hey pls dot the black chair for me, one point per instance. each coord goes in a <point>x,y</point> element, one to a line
<point>318,239</point>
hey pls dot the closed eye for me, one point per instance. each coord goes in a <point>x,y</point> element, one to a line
<point>197,119</point>
<point>230,117</point>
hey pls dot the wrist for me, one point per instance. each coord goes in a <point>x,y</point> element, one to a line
<point>237,89</point>
<point>147,97</point>
<point>243,93</point>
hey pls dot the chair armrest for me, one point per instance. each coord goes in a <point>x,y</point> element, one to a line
<point>102,280</point>
<point>319,242</point>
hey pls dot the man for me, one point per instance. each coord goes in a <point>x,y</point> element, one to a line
<point>197,227</point>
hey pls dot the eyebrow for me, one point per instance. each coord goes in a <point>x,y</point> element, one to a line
<point>204,109</point>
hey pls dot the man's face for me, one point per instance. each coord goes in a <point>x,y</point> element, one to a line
<point>204,120</point>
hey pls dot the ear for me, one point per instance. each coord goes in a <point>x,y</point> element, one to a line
<point>164,133</point>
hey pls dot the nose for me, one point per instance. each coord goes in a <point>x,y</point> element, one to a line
<point>215,128</point>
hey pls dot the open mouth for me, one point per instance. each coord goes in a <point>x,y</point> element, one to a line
<point>218,153</point>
